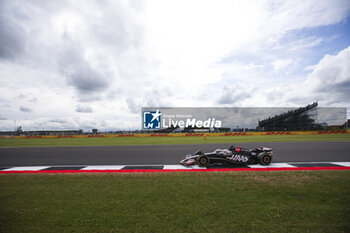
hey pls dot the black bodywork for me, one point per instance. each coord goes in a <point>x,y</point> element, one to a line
<point>233,155</point>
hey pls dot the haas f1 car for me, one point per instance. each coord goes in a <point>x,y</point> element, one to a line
<point>233,155</point>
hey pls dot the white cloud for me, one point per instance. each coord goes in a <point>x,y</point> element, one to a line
<point>330,79</point>
<point>234,94</point>
<point>281,64</point>
<point>328,83</point>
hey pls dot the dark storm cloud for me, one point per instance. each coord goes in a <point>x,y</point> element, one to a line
<point>25,109</point>
<point>83,109</point>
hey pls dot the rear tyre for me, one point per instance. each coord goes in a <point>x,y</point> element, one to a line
<point>265,159</point>
<point>203,161</point>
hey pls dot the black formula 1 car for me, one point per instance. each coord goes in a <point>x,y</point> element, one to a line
<point>233,155</point>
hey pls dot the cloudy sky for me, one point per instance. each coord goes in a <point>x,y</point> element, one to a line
<point>93,64</point>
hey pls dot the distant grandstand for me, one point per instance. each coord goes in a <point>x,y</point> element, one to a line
<point>299,119</point>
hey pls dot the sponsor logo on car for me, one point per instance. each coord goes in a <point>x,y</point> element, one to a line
<point>238,158</point>
<point>190,161</point>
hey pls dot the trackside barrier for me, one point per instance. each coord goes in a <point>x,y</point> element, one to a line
<point>3,136</point>
<point>65,136</point>
<point>195,134</point>
<point>333,132</point>
<point>236,134</point>
<point>278,133</point>
<point>159,135</point>
<point>34,136</point>
<point>321,132</point>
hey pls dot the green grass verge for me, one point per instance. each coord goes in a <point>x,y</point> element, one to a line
<point>32,142</point>
<point>280,201</point>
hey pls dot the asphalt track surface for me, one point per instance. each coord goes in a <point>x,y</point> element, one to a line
<point>164,154</point>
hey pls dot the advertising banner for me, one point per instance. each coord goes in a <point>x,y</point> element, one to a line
<point>286,118</point>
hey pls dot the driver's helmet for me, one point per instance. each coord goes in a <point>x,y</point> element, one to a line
<point>232,148</point>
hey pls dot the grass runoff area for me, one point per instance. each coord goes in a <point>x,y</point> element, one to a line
<point>279,201</point>
<point>275,201</point>
<point>32,142</point>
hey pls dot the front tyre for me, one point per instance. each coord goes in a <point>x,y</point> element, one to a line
<point>203,161</point>
<point>265,159</point>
